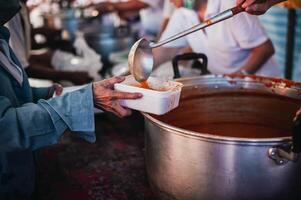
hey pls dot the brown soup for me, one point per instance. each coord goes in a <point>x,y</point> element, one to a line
<point>234,114</point>
<point>239,130</point>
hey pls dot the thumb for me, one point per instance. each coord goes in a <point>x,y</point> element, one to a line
<point>58,90</point>
<point>239,2</point>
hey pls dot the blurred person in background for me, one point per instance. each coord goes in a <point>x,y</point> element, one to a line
<point>236,45</point>
<point>38,66</point>
<point>168,10</point>
<point>259,7</point>
<point>150,11</point>
<point>30,119</point>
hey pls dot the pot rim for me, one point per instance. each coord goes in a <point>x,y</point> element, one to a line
<point>216,138</point>
<point>282,83</point>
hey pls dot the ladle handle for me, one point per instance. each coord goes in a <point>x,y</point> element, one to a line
<point>217,18</point>
<point>296,148</point>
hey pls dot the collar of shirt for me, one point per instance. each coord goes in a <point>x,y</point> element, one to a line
<point>7,58</point>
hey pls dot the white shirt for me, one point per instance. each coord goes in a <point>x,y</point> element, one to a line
<point>168,9</point>
<point>226,44</point>
<point>151,17</point>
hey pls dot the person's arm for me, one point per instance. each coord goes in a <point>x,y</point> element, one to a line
<point>32,126</point>
<point>170,50</point>
<point>258,57</point>
<point>132,5</point>
<point>250,36</point>
<point>77,77</point>
<point>257,7</point>
<point>163,26</point>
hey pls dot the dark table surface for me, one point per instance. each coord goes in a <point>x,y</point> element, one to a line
<point>112,168</point>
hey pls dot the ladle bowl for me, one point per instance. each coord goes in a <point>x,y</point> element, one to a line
<point>141,60</point>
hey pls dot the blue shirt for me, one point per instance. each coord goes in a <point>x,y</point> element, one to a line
<point>28,122</point>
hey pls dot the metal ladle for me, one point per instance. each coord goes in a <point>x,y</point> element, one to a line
<point>141,60</point>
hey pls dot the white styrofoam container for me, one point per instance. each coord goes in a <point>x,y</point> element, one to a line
<point>163,97</point>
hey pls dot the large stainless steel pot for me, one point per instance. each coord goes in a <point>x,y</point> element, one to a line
<point>183,164</point>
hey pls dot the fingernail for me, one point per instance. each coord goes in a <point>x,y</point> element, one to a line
<point>244,5</point>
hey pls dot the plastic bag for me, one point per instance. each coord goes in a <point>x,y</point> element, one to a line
<point>85,60</point>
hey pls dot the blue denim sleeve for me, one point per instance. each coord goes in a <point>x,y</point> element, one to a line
<point>33,126</point>
<point>75,110</point>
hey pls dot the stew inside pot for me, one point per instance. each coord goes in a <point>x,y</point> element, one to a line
<point>246,114</point>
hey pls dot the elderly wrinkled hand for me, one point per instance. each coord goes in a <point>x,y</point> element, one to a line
<point>106,98</point>
<point>257,7</point>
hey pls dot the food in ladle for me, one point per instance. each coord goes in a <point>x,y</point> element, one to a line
<point>144,84</point>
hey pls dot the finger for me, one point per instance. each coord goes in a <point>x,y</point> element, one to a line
<point>123,112</point>
<point>255,10</point>
<point>248,3</point>
<point>107,109</point>
<point>249,10</point>
<point>115,113</point>
<point>58,90</point>
<point>239,2</point>
<point>126,95</point>
<point>111,81</point>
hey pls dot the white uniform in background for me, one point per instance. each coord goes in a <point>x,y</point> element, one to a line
<point>151,17</point>
<point>168,9</point>
<point>227,44</point>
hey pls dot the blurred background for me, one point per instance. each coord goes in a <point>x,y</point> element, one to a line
<point>75,42</point>
<point>89,40</point>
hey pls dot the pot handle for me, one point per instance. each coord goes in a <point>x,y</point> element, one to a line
<point>190,56</point>
<point>296,148</point>
<point>289,151</point>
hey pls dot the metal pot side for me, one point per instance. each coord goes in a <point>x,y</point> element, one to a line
<point>183,164</point>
